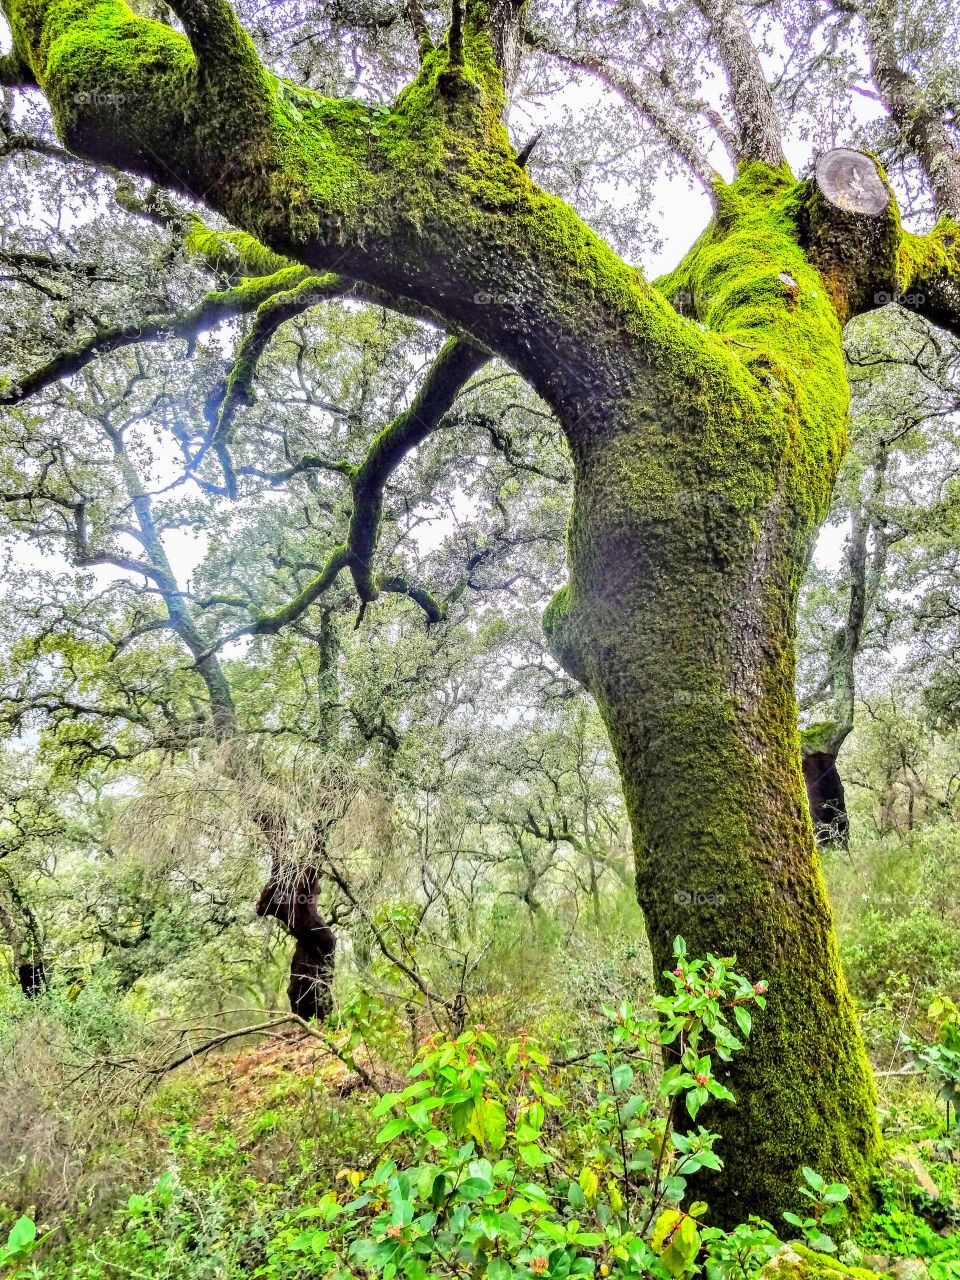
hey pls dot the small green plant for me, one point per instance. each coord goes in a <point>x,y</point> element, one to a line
<point>829,1210</point>
<point>896,1229</point>
<point>737,1254</point>
<point>940,1058</point>
<point>21,1242</point>
<point>508,1164</point>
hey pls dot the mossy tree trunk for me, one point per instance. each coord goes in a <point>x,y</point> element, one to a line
<point>689,538</point>
<point>706,438</point>
<point>690,657</point>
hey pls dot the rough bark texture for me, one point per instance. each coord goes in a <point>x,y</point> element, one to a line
<point>704,450</point>
<point>915,112</point>
<point>687,546</point>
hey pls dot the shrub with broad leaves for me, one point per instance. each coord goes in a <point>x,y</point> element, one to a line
<point>503,1164</point>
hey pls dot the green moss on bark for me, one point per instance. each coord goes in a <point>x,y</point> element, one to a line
<point>687,544</point>
<point>797,1262</point>
<point>704,448</point>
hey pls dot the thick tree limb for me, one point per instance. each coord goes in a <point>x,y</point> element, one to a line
<point>315,180</point>
<point>850,230</point>
<point>453,368</point>
<point>757,121</point>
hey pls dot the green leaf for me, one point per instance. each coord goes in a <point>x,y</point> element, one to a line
<point>22,1233</point>
<point>385,1104</point>
<point>552,1229</point>
<point>813,1178</point>
<point>495,1125</point>
<point>622,1077</point>
<point>473,1188</point>
<point>490,1221</point>
<point>834,1215</point>
<point>822,1243</point>
<point>534,1157</point>
<point>836,1193</point>
<point>631,1107</point>
<point>392,1128</point>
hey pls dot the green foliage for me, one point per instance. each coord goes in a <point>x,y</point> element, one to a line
<point>510,1164</point>
<point>897,1229</point>
<point>941,1056</point>
<point>829,1210</point>
<point>21,1241</point>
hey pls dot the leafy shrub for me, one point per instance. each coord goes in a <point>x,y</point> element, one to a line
<point>508,1164</point>
<point>917,944</point>
<point>940,1057</point>
<point>829,1209</point>
<point>896,1229</point>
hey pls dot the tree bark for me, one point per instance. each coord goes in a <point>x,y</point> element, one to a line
<point>23,936</point>
<point>691,661</point>
<point>687,547</point>
<point>293,901</point>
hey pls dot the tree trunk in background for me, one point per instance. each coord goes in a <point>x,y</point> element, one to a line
<point>826,798</point>
<point>292,900</point>
<point>21,933</point>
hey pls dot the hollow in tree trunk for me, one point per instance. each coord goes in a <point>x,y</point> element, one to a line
<point>826,798</point>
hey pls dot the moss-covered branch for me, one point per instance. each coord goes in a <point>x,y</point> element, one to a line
<point>425,201</point>
<point>928,275</point>
<point>450,372</point>
<point>274,312</point>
